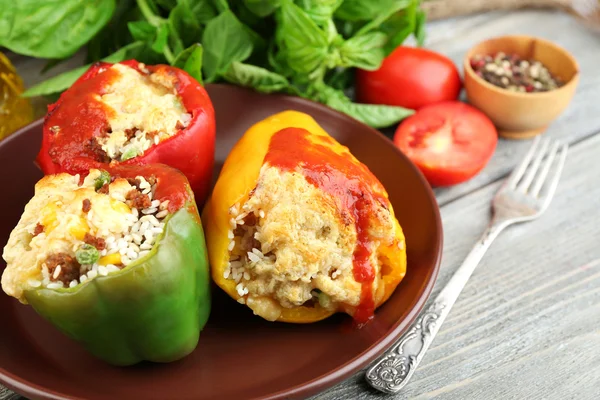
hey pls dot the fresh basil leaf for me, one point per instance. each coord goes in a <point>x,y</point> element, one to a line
<point>255,77</point>
<point>305,44</point>
<point>221,5</point>
<point>141,30</point>
<point>162,35</point>
<point>340,78</point>
<point>420,27</point>
<point>186,20</point>
<point>202,10</point>
<point>262,8</point>
<point>115,34</point>
<point>367,10</point>
<point>66,79</point>
<point>190,60</point>
<point>167,4</point>
<point>225,41</point>
<point>51,28</point>
<point>188,17</point>
<point>399,26</point>
<point>150,12</point>
<point>375,115</point>
<point>364,51</point>
<point>320,11</point>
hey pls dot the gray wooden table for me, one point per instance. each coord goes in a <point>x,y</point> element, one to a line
<point>527,326</point>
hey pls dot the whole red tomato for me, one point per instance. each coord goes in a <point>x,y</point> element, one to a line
<point>75,121</point>
<point>450,142</point>
<point>410,77</point>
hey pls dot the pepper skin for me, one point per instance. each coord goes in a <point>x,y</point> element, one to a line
<point>78,116</point>
<point>236,183</point>
<point>153,309</point>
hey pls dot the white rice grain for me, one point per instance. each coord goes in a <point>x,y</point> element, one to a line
<point>137,238</point>
<point>162,214</point>
<point>240,289</point>
<point>253,257</point>
<point>144,227</point>
<point>103,270</point>
<point>34,283</point>
<point>112,268</point>
<point>92,274</point>
<point>55,285</point>
<point>73,283</point>
<point>57,271</point>
<point>258,252</point>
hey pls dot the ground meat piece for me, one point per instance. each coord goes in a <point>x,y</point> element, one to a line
<point>250,219</point>
<point>92,146</point>
<point>151,180</point>
<point>134,182</point>
<point>103,189</point>
<point>179,125</point>
<point>97,242</point>
<point>151,134</point>
<point>130,132</point>
<point>86,206</point>
<point>137,199</point>
<point>39,228</point>
<point>69,267</point>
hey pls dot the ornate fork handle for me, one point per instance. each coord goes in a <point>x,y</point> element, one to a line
<point>391,372</point>
<point>6,394</point>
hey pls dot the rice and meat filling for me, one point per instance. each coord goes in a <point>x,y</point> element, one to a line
<point>142,110</point>
<point>292,246</point>
<point>70,233</point>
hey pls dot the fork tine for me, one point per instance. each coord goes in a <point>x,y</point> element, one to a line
<point>520,170</point>
<point>535,165</point>
<point>539,181</point>
<point>554,181</point>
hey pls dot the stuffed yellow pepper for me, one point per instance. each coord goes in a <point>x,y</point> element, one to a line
<point>298,229</point>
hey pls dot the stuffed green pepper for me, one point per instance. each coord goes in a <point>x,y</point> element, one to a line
<point>115,260</point>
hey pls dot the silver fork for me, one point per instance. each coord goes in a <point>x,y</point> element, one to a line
<point>520,199</point>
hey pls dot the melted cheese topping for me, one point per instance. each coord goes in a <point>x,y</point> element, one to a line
<point>303,244</point>
<point>57,205</point>
<point>146,104</point>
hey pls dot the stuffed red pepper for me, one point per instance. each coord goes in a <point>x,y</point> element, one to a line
<point>132,113</point>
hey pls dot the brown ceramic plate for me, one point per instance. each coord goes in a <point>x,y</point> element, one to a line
<point>239,356</point>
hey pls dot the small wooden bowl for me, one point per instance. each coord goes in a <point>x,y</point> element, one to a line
<point>519,115</point>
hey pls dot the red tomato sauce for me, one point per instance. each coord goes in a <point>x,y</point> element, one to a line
<point>346,180</point>
<point>79,116</point>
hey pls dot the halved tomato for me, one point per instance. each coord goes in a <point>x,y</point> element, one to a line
<point>450,142</point>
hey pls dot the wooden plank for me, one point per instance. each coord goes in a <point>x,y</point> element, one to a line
<point>527,326</point>
<point>454,37</point>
